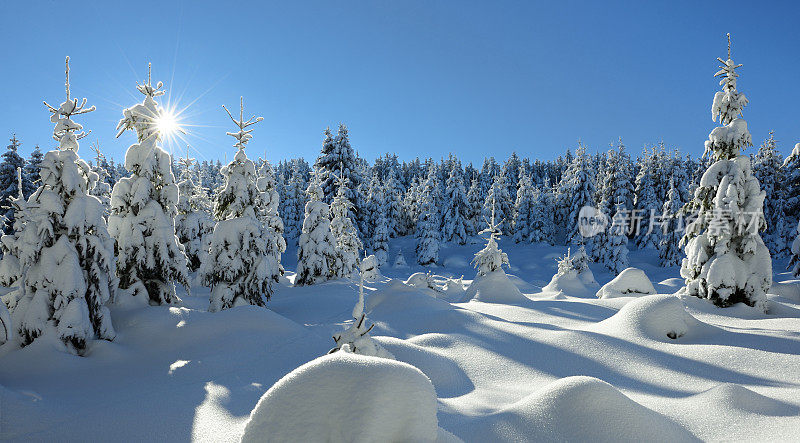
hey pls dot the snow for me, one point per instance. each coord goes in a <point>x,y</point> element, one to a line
<point>347,397</point>
<point>653,317</point>
<point>494,287</point>
<point>545,368</point>
<point>631,282</point>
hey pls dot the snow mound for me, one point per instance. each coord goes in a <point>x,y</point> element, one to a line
<point>733,397</point>
<point>578,409</point>
<point>494,287</point>
<point>447,376</point>
<point>347,397</point>
<point>789,289</point>
<point>571,283</point>
<point>631,282</point>
<point>656,317</point>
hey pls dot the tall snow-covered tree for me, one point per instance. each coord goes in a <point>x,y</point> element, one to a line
<point>144,206</point>
<point>767,168</point>
<point>268,215</point>
<point>66,253</point>
<point>337,154</point>
<point>616,247</point>
<point>316,250</point>
<point>8,181</point>
<point>293,204</point>
<point>194,225</point>
<point>523,209</point>
<point>498,200</point>
<point>579,193</point>
<point>31,171</point>
<point>10,243</point>
<point>541,218</point>
<point>474,207</point>
<point>726,260</point>
<point>645,201</point>
<point>792,166</point>
<point>101,188</point>
<point>379,208</point>
<point>669,244</point>
<point>456,209</point>
<point>348,244</point>
<point>240,268</point>
<point>427,226</point>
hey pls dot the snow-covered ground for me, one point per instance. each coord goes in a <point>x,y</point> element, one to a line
<point>553,366</point>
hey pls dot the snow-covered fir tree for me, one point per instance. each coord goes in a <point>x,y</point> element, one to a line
<point>523,210</point>
<point>293,204</point>
<point>380,232</point>
<point>767,168</point>
<point>345,234</point>
<point>31,171</point>
<point>194,225</point>
<point>645,201</point>
<point>579,193</point>
<point>240,268</point>
<point>456,209</point>
<point>427,226</point>
<point>726,260</point>
<point>144,206</point>
<point>8,181</point>
<point>474,207</point>
<point>101,188</point>
<point>499,201</point>
<point>66,253</point>
<point>356,338</point>
<point>671,229</point>
<point>616,246</point>
<point>792,166</point>
<point>10,243</point>
<point>541,218</point>
<point>268,215</point>
<point>316,249</point>
<point>491,258</point>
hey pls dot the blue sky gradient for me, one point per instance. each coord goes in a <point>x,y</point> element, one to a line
<point>417,78</point>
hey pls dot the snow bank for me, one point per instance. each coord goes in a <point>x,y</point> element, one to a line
<point>494,287</point>
<point>656,317</point>
<point>347,397</point>
<point>733,397</point>
<point>631,282</point>
<point>577,409</point>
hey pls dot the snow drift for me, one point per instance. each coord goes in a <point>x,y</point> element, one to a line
<point>577,409</point>
<point>656,317</point>
<point>631,282</point>
<point>347,397</point>
<point>494,287</point>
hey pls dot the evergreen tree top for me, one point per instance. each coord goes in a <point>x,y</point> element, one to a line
<point>243,135</point>
<point>66,131</point>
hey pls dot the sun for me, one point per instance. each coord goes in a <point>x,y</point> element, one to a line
<point>167,124</point>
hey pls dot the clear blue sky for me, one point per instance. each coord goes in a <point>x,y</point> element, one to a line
<point>416,78</point>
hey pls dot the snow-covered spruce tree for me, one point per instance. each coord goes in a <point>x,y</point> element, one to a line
<point>792,166</point>
<point>10,243</point>
<point>239,269</point>
<point>66,254</point>
<point>338,154</point>
<point>767,168</point>
<point>143,208</point>
<point>580,192</point>
<point>269,217</point>
<point>101,188</point>
<point>541,218</point>
<point>379,208</point>
<point>523,210</point>
<point>474,207</point>
<point>616,246</point>
<point>194,225</point>
<point>791,186</point>
<point>669,253</point>
<point>316,250</point>
<point>348,245</point>
<point>356,337</point>
<point>726,260</point>
<point>427,226</point>
<point>8,181</point>
<point>394,202</point>
<point>645,201</point>
<point>292,206</point>
<point>31,171</point>
<point>498,196</point>
<point>454,220</point>
<point>490,258</point>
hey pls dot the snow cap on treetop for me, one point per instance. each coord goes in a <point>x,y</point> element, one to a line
<point>65,129</point>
